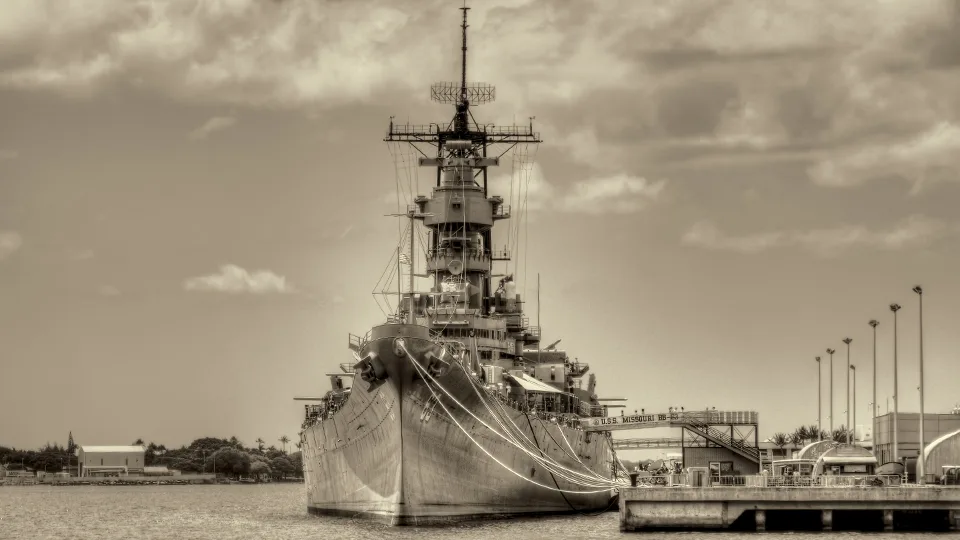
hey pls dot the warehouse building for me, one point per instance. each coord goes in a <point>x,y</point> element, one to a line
<point>935,426</point>
<point>110,460</point>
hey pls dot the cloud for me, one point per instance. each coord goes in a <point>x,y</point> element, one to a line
<point>929,156</point>
<point>108,290</point>
<point>913,231</point>
<point>616,80</point>
<point>7,154</point>
<point>213,125</point>
<point>10,242</point>
<point>621,193</point>
<point>235,280</point>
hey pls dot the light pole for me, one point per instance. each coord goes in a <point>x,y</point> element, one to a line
<point>830,352</point>
<point>819,398</point>
<point>874,407</point>
<point>853,368</point>
<point>922,468</point>
<point>847,341</point>
<point>896,392</point>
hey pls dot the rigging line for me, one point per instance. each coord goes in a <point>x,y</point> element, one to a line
<point>548,462</point>
<point>499,416</point>
<point>562,494</point>
<point>424,374</point>
<point>484,450</point>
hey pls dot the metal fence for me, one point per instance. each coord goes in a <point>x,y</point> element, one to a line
<point>688,480</point>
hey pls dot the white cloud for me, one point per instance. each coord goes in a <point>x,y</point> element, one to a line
<point>913,231</point>
<point>7,154</point>
<point>10,242</point>
<point>213,125</point>
<point>233,279</point>
<point>619,194</point>
<point>707,235</point>
<point>930,156</point>
<point>527,188</point>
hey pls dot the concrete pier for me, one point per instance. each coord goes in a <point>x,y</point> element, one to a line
<point>721,507</point>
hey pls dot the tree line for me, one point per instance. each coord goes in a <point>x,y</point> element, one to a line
<point>807,434</point>
<point>227,457</point>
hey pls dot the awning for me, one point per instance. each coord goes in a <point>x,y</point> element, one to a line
<point>848,459</point>
<point>533,385</point>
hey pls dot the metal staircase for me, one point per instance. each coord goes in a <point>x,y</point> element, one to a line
<point>722,438</point>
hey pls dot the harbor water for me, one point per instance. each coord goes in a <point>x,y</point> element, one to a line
<point>270,511</point>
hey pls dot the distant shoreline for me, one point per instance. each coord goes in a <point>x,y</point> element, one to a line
<point>138,481</point>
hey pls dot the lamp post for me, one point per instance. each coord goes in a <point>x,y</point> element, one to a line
<point>896,393</point>
<point>830,352</point>
<point>819,398</point>
<point>853,368</point>
<point>874,408</point>
<point>847,341</point>
<point>922,468</point>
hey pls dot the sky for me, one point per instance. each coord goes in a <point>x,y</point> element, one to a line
<point>192,199</point>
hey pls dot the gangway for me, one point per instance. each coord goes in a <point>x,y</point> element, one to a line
<point>727,429</point>
<point>655,442</point>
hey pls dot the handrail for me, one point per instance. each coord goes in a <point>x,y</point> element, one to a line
<point>724,438</point>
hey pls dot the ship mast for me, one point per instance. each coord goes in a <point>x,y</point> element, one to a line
<point>460,215</point>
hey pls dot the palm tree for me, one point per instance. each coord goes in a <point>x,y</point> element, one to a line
<point>797,437</point>
<point>284,440</point>
<point>813,432</point>
<point>260,443</point>
<point>840,434</point>
<point>780,440</point>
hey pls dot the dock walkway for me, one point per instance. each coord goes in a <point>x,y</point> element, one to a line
<point>723,507</point>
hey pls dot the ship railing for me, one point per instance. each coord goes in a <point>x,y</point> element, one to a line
<point>357,342</point>
<point>413,129</point>
<point>470,253</point>
<point>522,131</point>
<point>533,331</point>
<point>501,211</point>
<point>500,255</point>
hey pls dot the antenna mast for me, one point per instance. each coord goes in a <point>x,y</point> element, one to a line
<point>463,66</point>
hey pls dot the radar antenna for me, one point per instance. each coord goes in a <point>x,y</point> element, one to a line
<point>463,94</point>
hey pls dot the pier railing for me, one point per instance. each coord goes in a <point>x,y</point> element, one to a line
<point>769,481</point>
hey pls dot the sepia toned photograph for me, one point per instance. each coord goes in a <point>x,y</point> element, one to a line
<point>479,269</point>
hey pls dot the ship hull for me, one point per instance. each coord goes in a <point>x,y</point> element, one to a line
<point>394,454</point>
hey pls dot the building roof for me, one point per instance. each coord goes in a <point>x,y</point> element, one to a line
<point>109,449</point>
<point>533,385</point>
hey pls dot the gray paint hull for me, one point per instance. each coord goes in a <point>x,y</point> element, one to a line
<point>393,454</point>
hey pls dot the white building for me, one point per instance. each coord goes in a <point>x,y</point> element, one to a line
<point>110,460</point>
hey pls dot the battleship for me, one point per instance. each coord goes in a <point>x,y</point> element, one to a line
<point>451,410</point>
